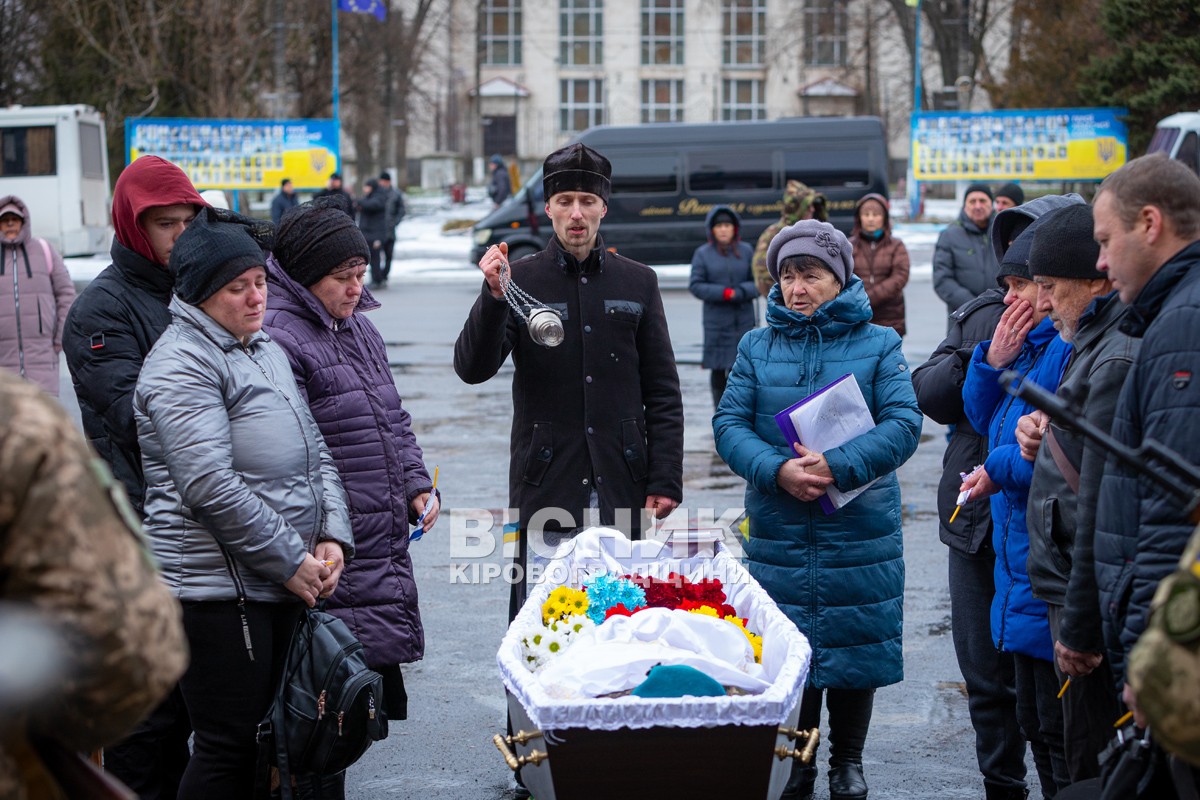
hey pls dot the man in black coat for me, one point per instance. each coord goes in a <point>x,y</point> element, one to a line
<point>282,202</point>
<point>373,222</point>
<point>598,419</point>
<point>108,333</point>
<point>394,211</point>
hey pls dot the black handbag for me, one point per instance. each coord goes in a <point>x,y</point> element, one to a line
<point>1133,767</point>
<point>328,708</point>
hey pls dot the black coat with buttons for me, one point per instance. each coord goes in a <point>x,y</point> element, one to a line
<point>600,411</point>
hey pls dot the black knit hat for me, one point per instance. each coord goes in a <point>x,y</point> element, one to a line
<point>1063,246</point>
<point>1016,258</point>
<point>1013,192</point>
<point>979,187</point>
<point>314,238</point>
<point>576,168</point>
<point>216,247</point>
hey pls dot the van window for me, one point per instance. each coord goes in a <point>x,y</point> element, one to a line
<point>1189,152</point>
<point>1163,141</point>
<point>27,151</point>
<point>828,169</point>
<point>730,170</point>
<point>91,151</point>
<point>645,173</point>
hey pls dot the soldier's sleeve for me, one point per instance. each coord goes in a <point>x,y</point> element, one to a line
<point>758,264</point>
<point>72,549</point>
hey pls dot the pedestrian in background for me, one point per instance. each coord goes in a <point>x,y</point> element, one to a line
<point>341,198</point>
<point>1026,343</point>
<point>244,508</point>
<point>799,202</point>
<point>839,576</point>
<point>283,200</point>
<point>1066,474</point>
<point>394,212</point>
<point>110,329</point>
<point>1010,195</point>
<point>316,312</point>
<point>35,295</point>
<point>373,222</point>
<point>963,262</point>
<point>500,185</point>
<point>72,554</point>
<point>721,277</point>
<point>880,261</point>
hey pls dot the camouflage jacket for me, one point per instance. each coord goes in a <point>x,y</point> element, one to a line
<point>72,552</point>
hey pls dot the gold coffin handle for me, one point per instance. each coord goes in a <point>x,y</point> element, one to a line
<point>805,756</point>
<point>502,743</point>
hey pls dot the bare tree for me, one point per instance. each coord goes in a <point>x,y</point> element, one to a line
<point>21,32</point>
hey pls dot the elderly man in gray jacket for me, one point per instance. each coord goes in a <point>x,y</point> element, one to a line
<point>1066,474</point>
<point>963,262</point>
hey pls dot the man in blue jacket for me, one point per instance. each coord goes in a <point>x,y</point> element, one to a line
<point>1147,222</point>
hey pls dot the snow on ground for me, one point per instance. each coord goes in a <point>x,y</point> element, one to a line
<point>424,253</point>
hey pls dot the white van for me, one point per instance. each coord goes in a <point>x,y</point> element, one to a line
<point>1179,137</point>
<point>55,159</point>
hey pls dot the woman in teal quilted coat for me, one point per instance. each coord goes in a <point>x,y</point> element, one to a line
<point>839,576</point>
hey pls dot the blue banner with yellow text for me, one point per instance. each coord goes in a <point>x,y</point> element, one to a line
<point>1019,145</point>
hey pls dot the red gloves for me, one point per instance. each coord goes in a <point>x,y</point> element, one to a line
<point>729,292</point>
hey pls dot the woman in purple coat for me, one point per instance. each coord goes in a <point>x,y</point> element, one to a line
<point>314,307</point>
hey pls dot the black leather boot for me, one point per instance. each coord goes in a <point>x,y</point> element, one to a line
<point>995,792</point>
<point>801,782</point>
<point>846,782</point>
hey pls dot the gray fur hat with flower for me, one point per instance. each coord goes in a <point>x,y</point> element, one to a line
<point>809,237</point>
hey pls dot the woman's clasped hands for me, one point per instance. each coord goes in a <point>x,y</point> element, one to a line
<point>805,478</point>
<point>318,574</point>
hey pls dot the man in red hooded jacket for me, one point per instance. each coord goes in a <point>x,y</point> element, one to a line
<point>109,330</point>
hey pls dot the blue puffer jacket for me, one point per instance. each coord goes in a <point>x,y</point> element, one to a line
<point>1019,623</point>
<point>839,577</point>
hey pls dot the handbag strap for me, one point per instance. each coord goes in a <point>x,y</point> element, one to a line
<point>1069,473</point>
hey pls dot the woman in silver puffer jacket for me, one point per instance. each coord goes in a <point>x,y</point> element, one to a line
<point>244,508</point>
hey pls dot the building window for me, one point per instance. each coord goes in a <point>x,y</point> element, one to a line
<point>743,99</point>
<point>662,31</point>
<point>745,32</point>
<point>500,32</point>
<point>825,33</point>
<point>580,25</point>
<point>582,104</point>
<point>662,101</point>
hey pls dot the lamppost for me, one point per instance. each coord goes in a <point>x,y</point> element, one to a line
<point>912,186</point>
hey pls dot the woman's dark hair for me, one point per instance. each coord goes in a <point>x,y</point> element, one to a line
<point>803,263</point>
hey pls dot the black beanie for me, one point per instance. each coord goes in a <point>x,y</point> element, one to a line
<point>1013,192</point>
<point>314,238</point>
<point>979,187</point>
<point>215,248</point>
<point>1063,246</point>
<point>576,168</point>
<point>1016,258</point>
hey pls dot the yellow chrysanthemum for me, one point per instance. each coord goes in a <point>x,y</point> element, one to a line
<point>563,602</point>
<point>707,611</point>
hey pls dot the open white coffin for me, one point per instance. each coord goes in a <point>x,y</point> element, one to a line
<point>631,746</point>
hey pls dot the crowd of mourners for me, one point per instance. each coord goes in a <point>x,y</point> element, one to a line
<point>228,376</point>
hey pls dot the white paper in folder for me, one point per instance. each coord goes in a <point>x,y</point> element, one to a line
<point>827,419</point>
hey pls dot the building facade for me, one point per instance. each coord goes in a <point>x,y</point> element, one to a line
<point>527,75</point>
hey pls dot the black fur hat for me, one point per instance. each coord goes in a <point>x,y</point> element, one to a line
<point>576,168</point>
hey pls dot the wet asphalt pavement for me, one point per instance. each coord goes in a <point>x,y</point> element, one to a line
<point>921,743</point>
